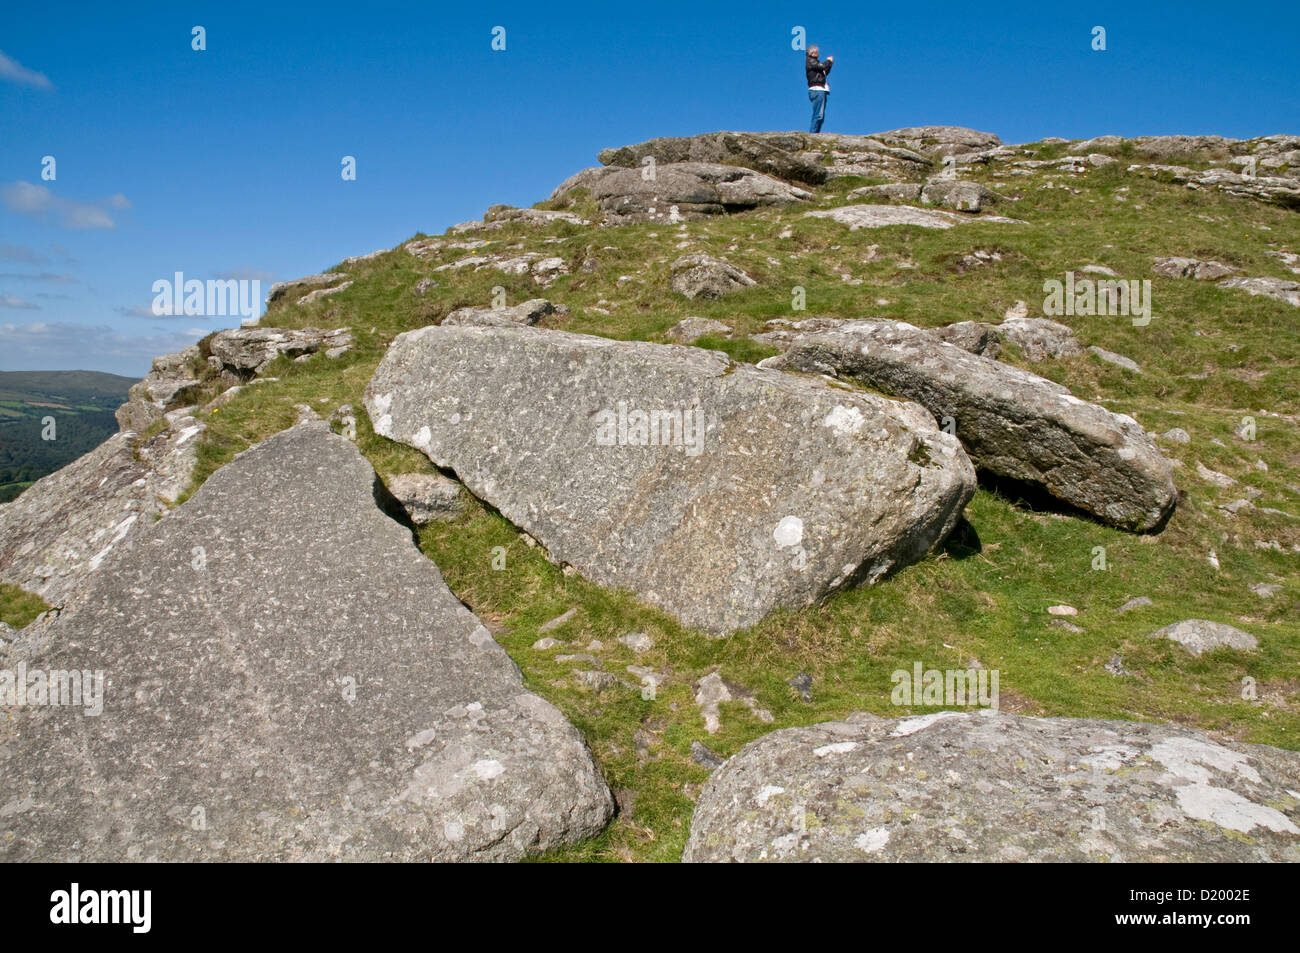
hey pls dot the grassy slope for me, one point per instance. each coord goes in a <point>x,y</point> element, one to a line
<point>1210,356</point>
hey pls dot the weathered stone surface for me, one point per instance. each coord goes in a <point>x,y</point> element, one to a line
<point>170,378</point>
<point>527,421</point>
<point>879,216</point>
<point>805,158</point>
<point>1041,338</point>
<point>682,190</point>
<point>1199,636</point>
<point>957,786</point>
<point>974,336</point>
<point>774,154</point>
<point>1119,360</point>
<point>543,269</point>
<point>319,293</point>
<point>1278,289</point>
<point>902,191</point>
<point>531,216</point>
<point>687,330</point>
<point>1011,422</point>
<point>286,290</point>
<point>1172,147</point>
<point>1278,190</point>
<point>425,496</point>
<point>525,313</point>
<point>1192,268</point>
<point>245,352</point>
<point>698,275</point>
<point>230,688</point>
<point>423,287</point>
<point>939,140</point>
<point>65,525</point>
<point>368,256</point>
<point>959,195</point>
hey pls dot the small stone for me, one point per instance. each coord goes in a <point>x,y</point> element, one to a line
<point>1176,435</point>
<point>701,754</point>
<point>597,681</point>
<point>802,683</point>
<point>1221,480</point>
<point>1266,590</point>
<point>1116,665</point>
<point>558,621</point>
<point>546,643</point>
<point>1199,636</point>
<point>638,642</point>
<point>1062,610</point>
<point>1137,602</point>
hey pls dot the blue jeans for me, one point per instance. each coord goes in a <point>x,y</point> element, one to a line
<point>818,99</point>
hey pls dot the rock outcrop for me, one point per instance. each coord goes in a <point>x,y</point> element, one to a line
<point>525,313</point>
<point>1199,636</point>
<point>287,678</point>
<point>286,291</point>
<point>805,158</point>
<point>242,353</point>
<point>170,378</point>
<point>959,195</point>
<point>1279,289</point>
<point>699,275</point>
<point>630,461</point>
<point>880,216</point>
<point>688,330</point>
<point>1174,267</point>
<point>987,786</point>
<point>1041,338</point>
<point>940,140</point>
<point>680,191</point>
<point>1012,423</point>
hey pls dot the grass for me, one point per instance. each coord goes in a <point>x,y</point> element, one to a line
<point>1210,357</point>
<point>19,607</point>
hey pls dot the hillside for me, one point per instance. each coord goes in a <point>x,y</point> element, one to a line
<point>1056,584</point>
<point>82,405</point>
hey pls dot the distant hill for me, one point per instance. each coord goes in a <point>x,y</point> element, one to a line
<point>82,405</point>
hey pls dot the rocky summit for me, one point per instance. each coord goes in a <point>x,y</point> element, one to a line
<point>664,520</point>
<point>262,694</point>
<point>630,461</point>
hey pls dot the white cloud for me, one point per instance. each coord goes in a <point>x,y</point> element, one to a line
<point>13,301</point>
<point>15,72</point>
<point>43,276</point>
<point>55,345</point>
<point>23,253</point>
<point>38,202</point>
<point>140,311</point>
<point>244,274</point>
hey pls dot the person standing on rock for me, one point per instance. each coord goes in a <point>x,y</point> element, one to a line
<point>817,88</point>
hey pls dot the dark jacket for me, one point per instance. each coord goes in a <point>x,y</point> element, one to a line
<point>816,71</point>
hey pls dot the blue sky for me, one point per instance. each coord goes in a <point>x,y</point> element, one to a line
<point>227,162</point>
